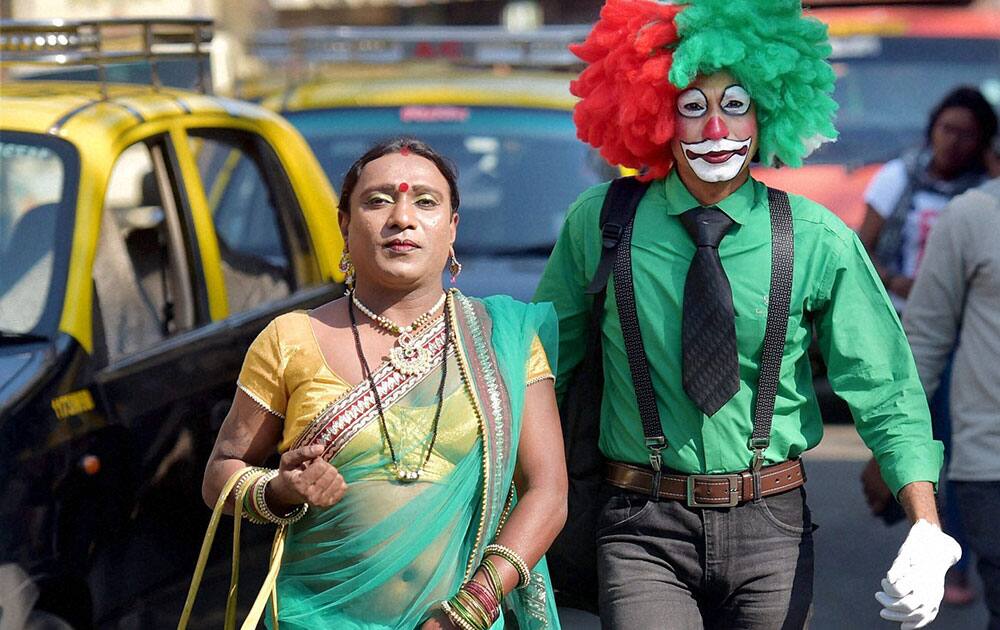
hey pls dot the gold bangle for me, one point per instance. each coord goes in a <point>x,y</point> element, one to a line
<point>260,503</point>
<point>508,554</point>
<point>454,616</point>
<point>493,577</point>
<point>241,493</point>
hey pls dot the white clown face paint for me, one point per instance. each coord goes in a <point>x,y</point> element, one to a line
<point>716,129</point>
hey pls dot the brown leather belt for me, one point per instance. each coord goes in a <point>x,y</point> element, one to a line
<point>709,490</point>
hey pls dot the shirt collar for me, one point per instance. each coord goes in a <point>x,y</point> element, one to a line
<point>737,205</point>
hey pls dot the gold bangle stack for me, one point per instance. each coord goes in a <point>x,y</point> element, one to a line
<point>508,554</point>
<point>249,477</point>
<point>259,502</point>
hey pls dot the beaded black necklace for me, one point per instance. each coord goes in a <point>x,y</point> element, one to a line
<point>403,475</point>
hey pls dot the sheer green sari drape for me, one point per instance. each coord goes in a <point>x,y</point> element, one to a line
<point>388,552</point>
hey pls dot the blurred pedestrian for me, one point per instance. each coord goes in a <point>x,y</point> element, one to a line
<point>958,289</point>
<point>908,193</point>
<point>708,402</point>
<point>403,413</point>
<point>904,200</point>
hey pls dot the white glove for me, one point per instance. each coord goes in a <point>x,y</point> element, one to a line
<point>912,589</point>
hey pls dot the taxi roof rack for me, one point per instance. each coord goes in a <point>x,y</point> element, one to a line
<point>105,42</point>
<point>544,47</point>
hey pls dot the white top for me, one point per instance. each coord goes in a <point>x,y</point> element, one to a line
<point>883,194</point>
<point>962,266</point>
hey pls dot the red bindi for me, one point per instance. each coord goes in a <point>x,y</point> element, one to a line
<point>403,187</point>
<point>404,151</point>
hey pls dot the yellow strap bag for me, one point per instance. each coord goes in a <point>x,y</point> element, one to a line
<point>267,590</point>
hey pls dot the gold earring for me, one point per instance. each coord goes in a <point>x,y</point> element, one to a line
<point>347,268</point>
<point>454,266</point>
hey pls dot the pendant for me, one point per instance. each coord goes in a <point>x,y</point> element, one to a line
<point>408,358</point>
<point>406,476</point>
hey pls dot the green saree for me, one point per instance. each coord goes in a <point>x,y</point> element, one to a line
<point>388,552</point>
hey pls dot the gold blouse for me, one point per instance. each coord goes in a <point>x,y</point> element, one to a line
<point>286,373</point>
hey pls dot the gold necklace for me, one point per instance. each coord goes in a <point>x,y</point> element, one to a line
<point>402,474</point>
<point>407,357</point>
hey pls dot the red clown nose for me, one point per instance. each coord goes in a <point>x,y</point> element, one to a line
<point>715,129</point>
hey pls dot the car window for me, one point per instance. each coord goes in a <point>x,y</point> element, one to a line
<point>887,86</point>
<point>519,169</point>
<point>141,279</point>
<point>37,189</point>
<point>245,209</point>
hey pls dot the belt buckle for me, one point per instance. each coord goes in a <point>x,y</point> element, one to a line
<point>732,492</point>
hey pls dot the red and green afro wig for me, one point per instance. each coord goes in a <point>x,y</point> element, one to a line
<point>642,53</point>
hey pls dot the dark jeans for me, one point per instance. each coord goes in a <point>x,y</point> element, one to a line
<point>664,565</point>
<point>979,506</point>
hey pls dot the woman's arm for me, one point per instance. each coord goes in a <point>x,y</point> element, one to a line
<point>540,478</point>
<point>248,436</point>
<point>869,233</point>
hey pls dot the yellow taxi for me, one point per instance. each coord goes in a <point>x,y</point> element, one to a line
<point>147,234</point>
<point>497,103</point>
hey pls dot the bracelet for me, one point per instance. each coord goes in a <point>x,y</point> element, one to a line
<point>486,599</point>
<point>260,507</point>
<point>508,554</point>
<point>493,577</point>
<point>471,609</point>
<point>250,476</point>
<point>455,618</point>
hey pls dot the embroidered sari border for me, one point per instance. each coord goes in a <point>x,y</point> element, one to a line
<point>347,415</point>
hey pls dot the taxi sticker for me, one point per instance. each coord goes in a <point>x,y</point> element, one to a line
<point>72,404</point>
<point>433,114</point>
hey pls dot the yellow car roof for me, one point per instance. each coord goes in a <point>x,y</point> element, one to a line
<point>485,88</point>
<point>47,107</point>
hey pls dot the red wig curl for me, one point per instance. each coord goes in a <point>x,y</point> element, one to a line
<point>627,109</point>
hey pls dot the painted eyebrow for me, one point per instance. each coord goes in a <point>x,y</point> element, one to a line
<point>698,90</point>
<point>392,189</point>
<point>729,87</point>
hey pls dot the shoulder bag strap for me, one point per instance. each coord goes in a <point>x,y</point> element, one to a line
<point>778,301</point>
<point>619,207</point>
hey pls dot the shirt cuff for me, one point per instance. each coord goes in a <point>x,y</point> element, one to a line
<point>912,462</point>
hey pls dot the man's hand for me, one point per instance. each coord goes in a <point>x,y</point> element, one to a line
<point>912,589</point>
<point>305,477</point>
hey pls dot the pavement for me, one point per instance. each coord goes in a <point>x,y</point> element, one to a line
<point>853,551</point>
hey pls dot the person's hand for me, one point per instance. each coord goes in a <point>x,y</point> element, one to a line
<point>305,477</point>
<point>877,493</point>
<point>914,585</point>
<point>438,621</point>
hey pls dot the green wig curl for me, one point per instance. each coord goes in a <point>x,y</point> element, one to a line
<point>778,56</point>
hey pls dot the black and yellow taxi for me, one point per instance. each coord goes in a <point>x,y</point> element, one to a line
<point>147,234</point>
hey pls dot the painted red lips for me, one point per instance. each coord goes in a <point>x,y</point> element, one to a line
<point>401,245</point>
<point>717,157</point>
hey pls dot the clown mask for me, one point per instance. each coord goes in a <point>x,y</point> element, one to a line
<point>716,132</point>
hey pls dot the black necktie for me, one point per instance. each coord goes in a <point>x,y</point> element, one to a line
<point>711,374</point>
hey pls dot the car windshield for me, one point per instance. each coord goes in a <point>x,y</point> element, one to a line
<point>37,190</point>
<point>887,87</point>
<point>519,169</point>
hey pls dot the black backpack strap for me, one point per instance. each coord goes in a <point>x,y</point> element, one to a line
<point>619,207</point>
<point>637,362</point>
<point>778,302</point>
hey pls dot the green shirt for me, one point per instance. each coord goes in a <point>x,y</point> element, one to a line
<point>835,290</point>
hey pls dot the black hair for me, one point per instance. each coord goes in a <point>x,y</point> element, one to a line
<point>973,100</point>
<point>399,144</point>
